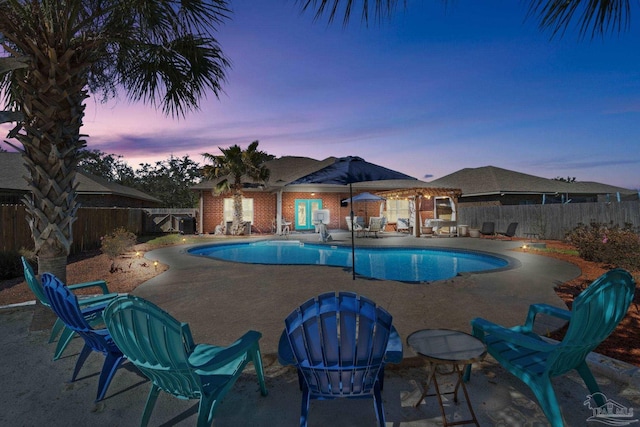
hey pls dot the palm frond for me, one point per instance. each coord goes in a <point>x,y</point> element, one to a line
<point>381,9</point>
<point>591,17</point>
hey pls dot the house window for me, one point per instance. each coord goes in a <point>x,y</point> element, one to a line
<point>247,209</point>
<point>398,208</point>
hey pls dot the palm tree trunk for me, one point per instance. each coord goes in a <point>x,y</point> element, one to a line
<point>237,213</point>
<point>53,108</point>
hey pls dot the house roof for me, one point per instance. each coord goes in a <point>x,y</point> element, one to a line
<point>489,180</point>
<point>13,171</point>
<point>283,170</point>
<point>290,168</point>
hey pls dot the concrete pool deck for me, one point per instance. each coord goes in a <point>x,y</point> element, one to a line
<point>221,300</point>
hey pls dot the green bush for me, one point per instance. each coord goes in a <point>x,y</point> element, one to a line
<point>609,244</point>
<point>117,243</point>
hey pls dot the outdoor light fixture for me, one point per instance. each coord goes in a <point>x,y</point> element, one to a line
<point>155,264</point>
<point>137,253</point>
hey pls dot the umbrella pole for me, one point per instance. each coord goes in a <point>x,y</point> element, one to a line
<point>353,242</point>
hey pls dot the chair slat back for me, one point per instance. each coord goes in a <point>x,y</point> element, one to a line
<point>488,228</point>
<point>511,229</point>
<point>339,342</point>
<point>595,313</point>
<point>64,303</point>
<point>375,223</point>
<point>157,343</point>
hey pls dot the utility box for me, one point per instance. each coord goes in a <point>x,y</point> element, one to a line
<point>187,225</point>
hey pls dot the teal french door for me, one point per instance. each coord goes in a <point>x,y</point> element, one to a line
<point>303,209</point>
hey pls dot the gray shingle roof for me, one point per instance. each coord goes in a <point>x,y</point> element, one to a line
<point>283,170</point>
<point>289,168</point>
<point>13,171</point>
<point>493,180</point>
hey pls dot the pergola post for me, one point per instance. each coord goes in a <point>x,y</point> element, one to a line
<point>417,226</point>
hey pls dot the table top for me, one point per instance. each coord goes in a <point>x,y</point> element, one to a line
<point>447,346</point>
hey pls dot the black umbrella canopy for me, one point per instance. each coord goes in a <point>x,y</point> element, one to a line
<point>364,197</point>
<point>349,170</point>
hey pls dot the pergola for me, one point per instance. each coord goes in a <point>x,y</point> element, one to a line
<point>416,193</point>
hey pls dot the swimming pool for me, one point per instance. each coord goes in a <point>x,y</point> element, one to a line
<point>402,264</point>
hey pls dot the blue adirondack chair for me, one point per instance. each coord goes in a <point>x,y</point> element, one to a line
<point>340,344</point>
<point>93,317</point>
<point>595,314</point>
<point>164,351</point>
<point>65,304</point>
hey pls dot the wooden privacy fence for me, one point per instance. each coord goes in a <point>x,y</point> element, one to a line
<point>551,221</point>
<point>90,226</point>
<point>167,220</point>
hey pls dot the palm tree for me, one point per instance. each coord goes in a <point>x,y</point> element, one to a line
<point>232,166</point>
<point>594,17</point>
<point>56,52</point>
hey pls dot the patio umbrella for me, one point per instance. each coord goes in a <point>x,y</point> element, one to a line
<point>364,197</point>
<point>346,171</point>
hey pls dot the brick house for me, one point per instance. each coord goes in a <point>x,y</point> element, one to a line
<point>264,204</point>
<point>92,190</point>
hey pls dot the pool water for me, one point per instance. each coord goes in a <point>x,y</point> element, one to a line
<point>402,264</point>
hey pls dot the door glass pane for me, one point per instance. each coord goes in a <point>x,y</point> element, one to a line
<point>302,214</point>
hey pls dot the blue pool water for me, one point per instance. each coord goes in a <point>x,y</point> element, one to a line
<point>402,264</point>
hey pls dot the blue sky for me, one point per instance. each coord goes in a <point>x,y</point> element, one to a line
<point>433,90</point>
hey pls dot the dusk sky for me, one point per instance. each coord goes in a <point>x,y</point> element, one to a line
<point>433,90</point>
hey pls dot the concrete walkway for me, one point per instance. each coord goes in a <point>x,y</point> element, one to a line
<point>221,300</point>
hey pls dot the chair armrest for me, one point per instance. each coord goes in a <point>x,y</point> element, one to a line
<point>394,347</point>
<point>547,309</point>
<point>206,358</point>
<point>94,299</point>
<point>285,352</point>
<point>95,284</point>
<point>93,312</point>
<point>482,327</point>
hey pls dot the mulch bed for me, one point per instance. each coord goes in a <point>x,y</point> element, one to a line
<point>624,343</point>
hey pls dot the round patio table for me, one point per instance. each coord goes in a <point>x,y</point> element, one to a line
<point>446,351</point>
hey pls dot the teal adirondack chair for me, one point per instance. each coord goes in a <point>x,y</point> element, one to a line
<point>340,343</point>
<point>164,351</point>
<point>59,327</point>
<point>595,314</point>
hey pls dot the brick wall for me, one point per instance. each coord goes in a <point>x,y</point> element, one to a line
<point>265,209</point>
<point>264,205</point>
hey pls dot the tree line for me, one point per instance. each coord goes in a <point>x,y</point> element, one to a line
<point>169,180</point>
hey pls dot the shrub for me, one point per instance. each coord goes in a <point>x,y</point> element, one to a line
<point>609,244</point>
<point>116,244</point>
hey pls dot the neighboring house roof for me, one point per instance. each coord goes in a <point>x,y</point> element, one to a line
<point>13,171</point>
<point>94,185</point>
<point>287,169</point>
<point>489,180</point>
